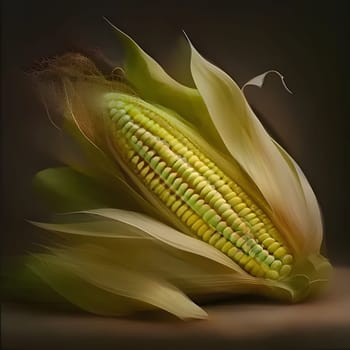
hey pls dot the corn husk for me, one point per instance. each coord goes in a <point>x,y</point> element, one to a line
<point>122,250</point>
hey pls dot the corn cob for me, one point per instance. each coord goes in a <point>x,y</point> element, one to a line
<point>195,189</point>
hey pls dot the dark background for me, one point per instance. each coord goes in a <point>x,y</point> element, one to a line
<point>307,43</point>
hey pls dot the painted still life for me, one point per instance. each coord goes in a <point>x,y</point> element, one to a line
<point>168,196</point>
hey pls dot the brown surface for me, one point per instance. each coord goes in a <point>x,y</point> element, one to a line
<point>243,324</point>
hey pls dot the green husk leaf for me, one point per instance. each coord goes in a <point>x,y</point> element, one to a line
<point>316,230</point>
<point>154,84</point>
<point>152,228</point>
<point>66,190</point>
<point>20,284</point>
<point>314,239</point>
<point>85,280</point>
<point>192,266</point>
<point>252,147</point>
<point>60,276</point>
